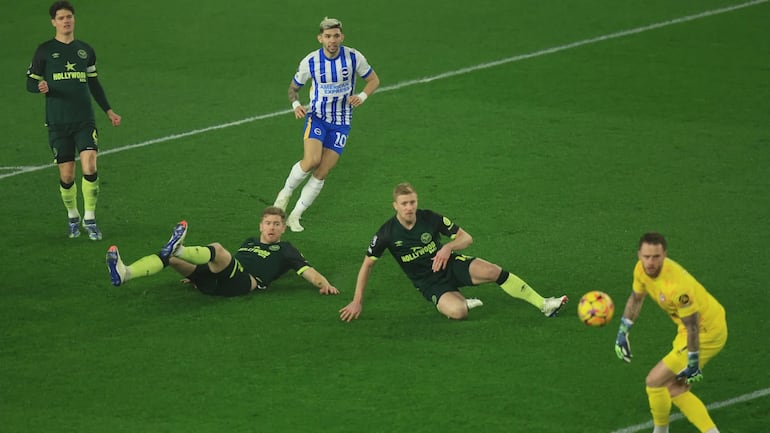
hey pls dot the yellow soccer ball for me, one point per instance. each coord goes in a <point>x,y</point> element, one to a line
<point>595,308</point>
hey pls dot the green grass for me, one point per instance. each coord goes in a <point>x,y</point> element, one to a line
<point>555,164</point>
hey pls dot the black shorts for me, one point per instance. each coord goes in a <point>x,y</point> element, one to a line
<point>456,274</point>
<point>66,140</point>
<point>232,281</point>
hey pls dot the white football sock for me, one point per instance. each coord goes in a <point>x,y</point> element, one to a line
<point>296,177</point>
<point>309,193</point>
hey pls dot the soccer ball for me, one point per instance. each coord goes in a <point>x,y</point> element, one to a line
<point>595,308</point>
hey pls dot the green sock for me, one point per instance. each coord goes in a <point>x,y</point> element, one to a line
<point>517,288</point>
<point>194,255</point>
<point>146,266</point>
<point>90,194</point>
<point>70,198</point>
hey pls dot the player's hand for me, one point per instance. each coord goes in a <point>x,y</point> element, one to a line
<point>300,112</point>
<point>188,281</point>
<point>692,372</point>
<point>355,101</point>
<point>329,290</point>
<point>622,345</point>
<point>114,117</point>
<point>350,311</point>
<point>42,85</point>
<point>441,258</point>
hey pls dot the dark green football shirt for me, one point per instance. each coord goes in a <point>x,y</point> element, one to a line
<point>70,70</point>
<point>269,261</point>
<point>414,249</point>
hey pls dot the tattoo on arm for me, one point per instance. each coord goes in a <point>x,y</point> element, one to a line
<point>293,95</point>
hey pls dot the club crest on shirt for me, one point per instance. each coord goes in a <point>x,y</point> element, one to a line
<point>684,300</point>
<point>425,238</point>
<point>345,72</point>
<point>82,54</point>
<point>275,247</point>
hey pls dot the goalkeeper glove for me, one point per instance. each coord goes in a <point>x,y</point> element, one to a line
<point>622,345</point>
<point>692,372</point>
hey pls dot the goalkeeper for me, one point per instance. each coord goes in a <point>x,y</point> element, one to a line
<point>701,333</point>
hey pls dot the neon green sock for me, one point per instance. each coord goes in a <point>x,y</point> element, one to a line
<point>194,255</point>
<point>144,267</point>
<point>517,288</point>
<point>70,199</point>
<point>90,194</point>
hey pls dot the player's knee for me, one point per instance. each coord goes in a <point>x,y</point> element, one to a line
<point>311,162</point>
<point>655,380</point>
<point>453,310</point>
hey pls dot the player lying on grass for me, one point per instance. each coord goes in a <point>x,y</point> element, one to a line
<point>413,237</point>
<point>215,271</point>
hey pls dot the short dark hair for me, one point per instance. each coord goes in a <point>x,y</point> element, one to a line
<point>59,5</point>
<point>653,238</point>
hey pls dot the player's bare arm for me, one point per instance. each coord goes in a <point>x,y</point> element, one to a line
<point>633,306</point>
<point>353,309</point>
<point>461,241</point>
<point>372,83</point>
<point>693,332</point>
<point>315,278</point>
<point>299,109</point>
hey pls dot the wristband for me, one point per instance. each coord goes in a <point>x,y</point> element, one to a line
<point>692,359</point>
<point>296,104</point>
<point>362,96</point>
<point>625,325</point>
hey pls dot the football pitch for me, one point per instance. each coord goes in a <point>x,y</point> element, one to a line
<point>554,132</point>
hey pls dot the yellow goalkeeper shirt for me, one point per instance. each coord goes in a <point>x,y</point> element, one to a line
<point>679,294</point>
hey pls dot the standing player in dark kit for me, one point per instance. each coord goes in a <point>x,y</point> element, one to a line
<point>215,271</point>
<point>64,70</point>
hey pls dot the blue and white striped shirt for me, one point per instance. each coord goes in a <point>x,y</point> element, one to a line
<point>334,82</point>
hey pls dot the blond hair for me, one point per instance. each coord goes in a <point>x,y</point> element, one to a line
<point>403,188</point>
<point>330,23</point>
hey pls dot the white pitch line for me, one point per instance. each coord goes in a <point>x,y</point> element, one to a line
<point>462,71</point>
<point>677,416</point>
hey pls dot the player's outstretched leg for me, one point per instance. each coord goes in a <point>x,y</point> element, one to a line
<point>173,244</point>
<point>552,306</point>
<point>115,266</point>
